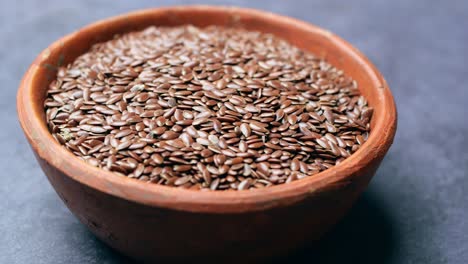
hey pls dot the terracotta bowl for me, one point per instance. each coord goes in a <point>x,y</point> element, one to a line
<point>151,222</point>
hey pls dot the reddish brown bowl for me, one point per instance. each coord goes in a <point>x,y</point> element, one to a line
<point>148,221</point>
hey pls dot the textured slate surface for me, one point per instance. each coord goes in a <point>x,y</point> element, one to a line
<point>416,208</point>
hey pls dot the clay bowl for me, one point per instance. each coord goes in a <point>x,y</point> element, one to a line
<point>151,222</point>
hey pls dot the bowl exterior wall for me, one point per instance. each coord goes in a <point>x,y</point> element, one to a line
<point>154,234</point>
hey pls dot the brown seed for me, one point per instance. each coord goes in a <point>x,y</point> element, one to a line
<point>251,108</point>
<point>157,158</point>
<point>237,100</point>
<point>343,153</point>
<point>206,153</point>
<point>197,146</point>
<point>322,143</point>
<point>206,176</point>
<point>359,139</point>
<point>110,161</point>
<point>213,139</point>
<point>247,170</point>
<point>186,139</point>
<point>256,145</point>
<point>292,119</point>
<point>203,141</point>
<point>123,133</point>
<point>329,115</point>
<point>182,168</point>
<point>199,121</point>
<point>182,180</point>
<point>222,143</point>
<point>243,146</point>
<point>245,129</point>
<point>279,114</point>
<point>169,135</point>
<point>330,128</point>
<point>228,152</point>
<point>257,126</point>
<point>123,145</point>
<point>295,165</point>
<point>139,170</point>
<point>244,185</point>
<point>214,184</point>
<point>290,109</point>
<point>94,129</point>
<point>177,143</point>
<point>138,145</point>
<point>264,168</point>
<point>367,113</point>
<point>235,161</point>
<point>276,154</point>
<point>192,131</point>
<point>217,126</point>
<point>331,138</point>
<point>159,130</point>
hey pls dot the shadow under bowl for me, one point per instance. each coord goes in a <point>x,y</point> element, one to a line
<point>152,222</point>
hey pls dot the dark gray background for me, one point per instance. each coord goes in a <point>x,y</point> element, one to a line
<point>415,210</point>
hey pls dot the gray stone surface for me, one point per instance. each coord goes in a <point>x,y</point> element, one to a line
<point>416,208</point>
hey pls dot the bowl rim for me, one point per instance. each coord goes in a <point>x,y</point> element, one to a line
<point>230,201</point>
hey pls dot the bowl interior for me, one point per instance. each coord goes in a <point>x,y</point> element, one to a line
<point>305,36</point>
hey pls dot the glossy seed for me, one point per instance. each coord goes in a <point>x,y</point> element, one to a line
<point>245,130</point>
<point>257,126</point>
<point>182,168</point>
<point>244,185</point>
<point>182,180</point>
<point>157,159</point>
